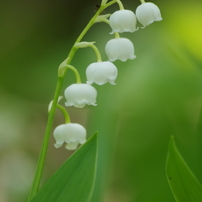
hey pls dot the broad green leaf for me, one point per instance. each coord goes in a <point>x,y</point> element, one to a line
<point>74,180</point>
<point>183,183</point>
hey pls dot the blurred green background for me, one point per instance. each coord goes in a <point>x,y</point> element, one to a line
<point>157,95</point>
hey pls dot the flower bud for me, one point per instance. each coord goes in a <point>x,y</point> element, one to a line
<point>147,13</point>
<point>123,21</point>
<point>79,95</point>
<point>71,133</point>
<point>120,49</point>
<point>101,73</point>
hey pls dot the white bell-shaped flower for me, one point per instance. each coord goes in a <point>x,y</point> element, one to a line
<point>101,73</point>
<point>79,95</point>
<point>120,49</point>
<point>147,13</point>
<point>123,21</point>
<point>71,133</point>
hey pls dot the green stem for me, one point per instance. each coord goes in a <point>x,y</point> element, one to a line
<point>142,1</point>
<point>104,2</point>
<point>64,112</point>
<point>88,26</point>
<point>44,147</point>
<point>110,3</point>
<point>97,52</point>
<point>121,7</point>
<point>117,36</point>
<point>103,20</point>
<point>78,78</point>
<point>90,44</point>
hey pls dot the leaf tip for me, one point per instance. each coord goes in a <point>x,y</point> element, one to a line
<point>172,143</point>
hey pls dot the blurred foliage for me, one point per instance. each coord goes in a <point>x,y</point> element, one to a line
<point>183,183</point>
<point>157,95</point>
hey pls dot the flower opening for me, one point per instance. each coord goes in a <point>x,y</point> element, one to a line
<point>120,49</point>
<point>147,13</point>
<point>101,73</point>
<point>79,95</point>
<point>123,21</point>
<point>71,133</point>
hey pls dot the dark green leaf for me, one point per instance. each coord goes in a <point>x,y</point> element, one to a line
<point>74,181</point>
<point>183,183</point>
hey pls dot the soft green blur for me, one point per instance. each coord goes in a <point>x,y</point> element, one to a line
<point>157,95</point>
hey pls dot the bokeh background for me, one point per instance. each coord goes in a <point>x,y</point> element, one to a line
<point>157,95</point>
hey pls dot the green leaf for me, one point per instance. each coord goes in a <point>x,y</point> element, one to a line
<point>183,183</point>
<point>74,180</point>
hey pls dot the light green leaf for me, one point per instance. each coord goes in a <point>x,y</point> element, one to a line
<point>74,180</point>
<point>183,183</point>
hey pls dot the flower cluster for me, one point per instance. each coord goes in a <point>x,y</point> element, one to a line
<point>102,72</point>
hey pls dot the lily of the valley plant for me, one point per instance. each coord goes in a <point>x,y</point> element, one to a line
<point>82,93</point>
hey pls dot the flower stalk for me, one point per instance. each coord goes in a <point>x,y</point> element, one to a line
<point>78,78</point>
<point>117,36</point>
<point>121,7</point>
<point>65,114</point>
<point>97,52</point>
<point>90,44</point>
<point>44,148</point>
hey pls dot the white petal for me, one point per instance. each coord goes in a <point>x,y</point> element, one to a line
<point>75,131</point>
<point>59,135</point>
<point>101,73</point>
<point>120,49</point>
<point>79,95</point>
<point>147,13</point>
<point>111,49</point>
<point>57,145</point>
<point>123,21</point>
<point>72,146</point>
<point>71,133</point>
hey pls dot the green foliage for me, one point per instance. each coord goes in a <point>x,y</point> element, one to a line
<point>74,181</point>
<point>182,181</point>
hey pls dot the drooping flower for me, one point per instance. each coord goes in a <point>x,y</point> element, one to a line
<point>147,13</point>
<point>71,133</point>
<point>101,73</point>
<point>79,95</point>
<point>123,21</point>
<point>120,49</point>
